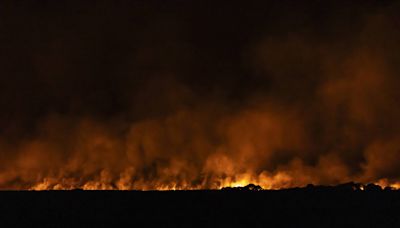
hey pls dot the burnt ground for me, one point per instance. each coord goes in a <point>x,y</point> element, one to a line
<point>325,207</point>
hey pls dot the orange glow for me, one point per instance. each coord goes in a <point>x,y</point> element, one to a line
<point>385,183</point>
<point>326,116</point>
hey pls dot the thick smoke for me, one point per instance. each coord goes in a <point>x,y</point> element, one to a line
<point>192,95</point>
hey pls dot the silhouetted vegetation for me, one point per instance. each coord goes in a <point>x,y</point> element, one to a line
<point>249,187</point>
<point>350,186</point>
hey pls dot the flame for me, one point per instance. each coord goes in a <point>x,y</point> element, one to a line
<point>267,183</point>
<point>386,183</point>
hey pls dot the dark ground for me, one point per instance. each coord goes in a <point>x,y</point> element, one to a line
<point>285,208</point>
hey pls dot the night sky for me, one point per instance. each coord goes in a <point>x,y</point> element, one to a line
<point>198,94</point>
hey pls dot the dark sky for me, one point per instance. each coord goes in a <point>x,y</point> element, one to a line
<point>324,73</point>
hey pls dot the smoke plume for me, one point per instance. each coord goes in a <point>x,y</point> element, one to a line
<point>198,95</point>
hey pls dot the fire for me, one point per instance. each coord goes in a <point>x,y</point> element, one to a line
<point>180,102</point>
<point>341,129</point>
<point>385,183</point>
<point>242,181</point>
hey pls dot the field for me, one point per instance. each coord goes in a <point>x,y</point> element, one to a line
<point>283,208</point>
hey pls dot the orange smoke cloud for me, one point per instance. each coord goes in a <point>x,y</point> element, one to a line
<point>308,109</point>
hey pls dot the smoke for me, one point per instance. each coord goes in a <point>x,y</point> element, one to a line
<point>133,97</point>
